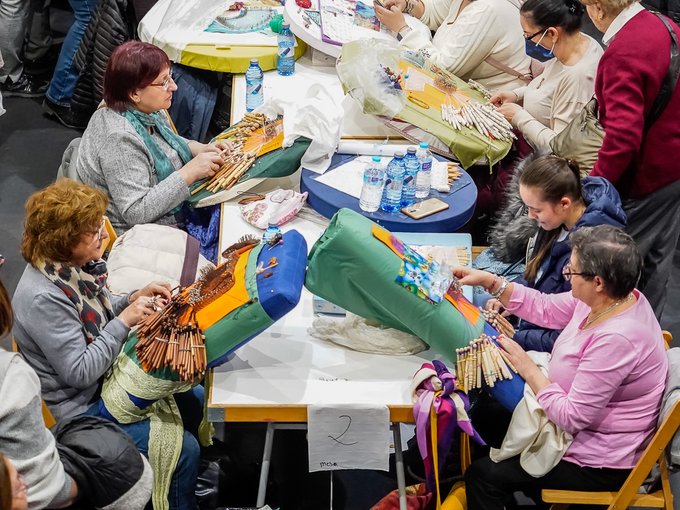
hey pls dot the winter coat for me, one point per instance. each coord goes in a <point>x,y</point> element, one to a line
<point>111,25</point>
<point>603,207</point>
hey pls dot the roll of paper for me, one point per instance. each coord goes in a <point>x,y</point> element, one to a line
<point>370,149</point>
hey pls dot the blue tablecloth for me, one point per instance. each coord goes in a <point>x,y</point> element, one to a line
<point>461,199</point>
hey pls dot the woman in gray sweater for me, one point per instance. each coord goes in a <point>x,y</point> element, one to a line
<point>130,149</point>
<point>69,326</point>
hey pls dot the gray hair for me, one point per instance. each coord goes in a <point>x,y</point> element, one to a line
<point>611,254</point>
<point>614,7</point>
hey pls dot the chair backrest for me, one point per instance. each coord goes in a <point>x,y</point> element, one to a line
<point>47,415</point>
<point>108,243</point>
<point>653,453</point>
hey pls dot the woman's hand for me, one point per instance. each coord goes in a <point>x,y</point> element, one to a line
<point>503,97</point>
<point>153,289</point>
<point>469,276</point>
<point>392,18</point>
<point>203,165</point>
<point>399,4</point>
<point>138,310</point>
<point>494,305</point>
<point>524,365</point>
<point>509,110</point>
<point>221,146</point>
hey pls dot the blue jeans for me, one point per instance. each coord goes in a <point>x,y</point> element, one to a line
<point>182,488</point>
<point>65,76</point>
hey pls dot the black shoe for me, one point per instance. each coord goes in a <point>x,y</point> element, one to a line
<point>64,114</point>
<point>25,86</point>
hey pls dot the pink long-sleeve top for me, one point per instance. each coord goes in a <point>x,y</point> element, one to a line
<point>607,381</point>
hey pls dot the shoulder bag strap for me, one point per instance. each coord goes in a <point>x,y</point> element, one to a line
<point>669,81</point>
<point>190,261</point>
<point>526,78</point>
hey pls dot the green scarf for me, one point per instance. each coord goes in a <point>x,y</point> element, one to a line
<point>142,122</point>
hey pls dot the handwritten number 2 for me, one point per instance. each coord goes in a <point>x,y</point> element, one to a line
<point>349,424</point>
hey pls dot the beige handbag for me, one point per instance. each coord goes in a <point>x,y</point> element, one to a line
<point>581,139</point>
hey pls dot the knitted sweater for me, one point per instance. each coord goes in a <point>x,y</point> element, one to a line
<point>24,438</point>
<point>113,157</point>
<point>49,332</point>
<point>627,82</point>
<point>462,42</point>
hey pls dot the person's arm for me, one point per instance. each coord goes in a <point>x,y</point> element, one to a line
<point>26,441</point>
<point>467,43</point>
<point>130,180</point>
<point>623,101</point>
<point>58,331</point>
<point>607,360</point>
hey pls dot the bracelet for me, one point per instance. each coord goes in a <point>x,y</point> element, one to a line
<point>405,29</point>
<point>501,289</point>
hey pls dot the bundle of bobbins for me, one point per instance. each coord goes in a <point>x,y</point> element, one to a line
<point>240,160</point>
<point>453,171</point>
<point>500,323</point>
<point>482,362</point>
<point>483,118</point>
<point>171,337</point>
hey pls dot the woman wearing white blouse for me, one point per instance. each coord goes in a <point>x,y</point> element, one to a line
<point>541,109</point>
<point>478,39</point>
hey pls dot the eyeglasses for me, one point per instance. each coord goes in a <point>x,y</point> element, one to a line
<point>165,84</point>
<point>568,273</point>
<point>100,232</point>
<point>528,38</point>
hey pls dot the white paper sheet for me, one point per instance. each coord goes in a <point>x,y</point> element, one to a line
<point>351,436</point>
<point>347,178</point>
<point>370,149</point>
<point>417,80</point>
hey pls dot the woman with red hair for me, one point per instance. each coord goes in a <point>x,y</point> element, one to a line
<point>130,149</point>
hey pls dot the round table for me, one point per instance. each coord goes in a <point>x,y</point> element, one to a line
<point>461,199</point>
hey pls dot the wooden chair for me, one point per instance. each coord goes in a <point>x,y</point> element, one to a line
<point>47,415</point>
<point>628,495</point>
<point>108,243</point>
<point>476,250</point>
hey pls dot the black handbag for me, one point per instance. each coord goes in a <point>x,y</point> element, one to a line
<point>582,138</point>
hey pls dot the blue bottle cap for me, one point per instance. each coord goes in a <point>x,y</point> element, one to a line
<point>424,145</point>
<point>376,159</point>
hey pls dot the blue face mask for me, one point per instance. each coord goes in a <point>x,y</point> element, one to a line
<point>535,50</point>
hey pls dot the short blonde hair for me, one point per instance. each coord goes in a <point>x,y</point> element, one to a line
<point>56,217</point>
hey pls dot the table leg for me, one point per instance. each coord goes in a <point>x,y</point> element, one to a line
<point>399,466</point>
<point>266,460</point>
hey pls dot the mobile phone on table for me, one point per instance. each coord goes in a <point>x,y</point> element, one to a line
<point>425,208</point>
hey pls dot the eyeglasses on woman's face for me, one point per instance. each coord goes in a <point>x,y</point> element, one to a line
<point>99,233</point>
<point>165,83</point>
<point>568,273</point>
<point>541,31</point>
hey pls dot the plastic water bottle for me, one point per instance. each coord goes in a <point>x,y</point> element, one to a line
<point>270,233</point>
<point>394,182</point>
<point>254,84</point>
<point>412,166</point>
<point>285,64</point>
<point>423,181</point>
<point>372,189</point>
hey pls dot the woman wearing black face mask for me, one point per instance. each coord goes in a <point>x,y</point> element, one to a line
<point>545,106</point>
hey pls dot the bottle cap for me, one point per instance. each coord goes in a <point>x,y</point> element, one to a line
<point>424,145</point>
<point>398,154</point>
<point>376,159</point>
<point>411,150</point>
<point>285,25</point>
<point>254,61</point>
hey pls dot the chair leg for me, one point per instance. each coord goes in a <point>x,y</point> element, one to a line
<point>665,483</point>
<point>559,506</point>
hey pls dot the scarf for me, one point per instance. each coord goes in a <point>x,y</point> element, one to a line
<point>142,122</point>
<point>84,287</point>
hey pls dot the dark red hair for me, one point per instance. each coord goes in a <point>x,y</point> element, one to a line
<point>133,65</point>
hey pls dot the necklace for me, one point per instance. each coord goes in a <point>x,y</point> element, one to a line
<point>589,321</point>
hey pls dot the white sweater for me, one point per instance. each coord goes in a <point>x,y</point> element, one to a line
<point>555,97</point>
<point>485,28</point>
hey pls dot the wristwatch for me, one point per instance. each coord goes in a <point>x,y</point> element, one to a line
<point>403,31</point>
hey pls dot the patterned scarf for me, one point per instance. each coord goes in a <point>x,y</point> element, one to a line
<point>84,286</point>
<point>142,122</point>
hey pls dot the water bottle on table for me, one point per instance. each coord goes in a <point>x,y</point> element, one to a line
<point>412,166</point>
<point>394,183</point>
<point>372,189</point>
<point>285,64</point>
<point>270,233</point>
<point>254,85</point>
<point>423,181</point>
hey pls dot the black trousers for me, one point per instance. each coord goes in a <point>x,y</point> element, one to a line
<point>488,484</point>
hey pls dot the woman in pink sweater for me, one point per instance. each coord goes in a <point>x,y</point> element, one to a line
<point>606,375</point>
